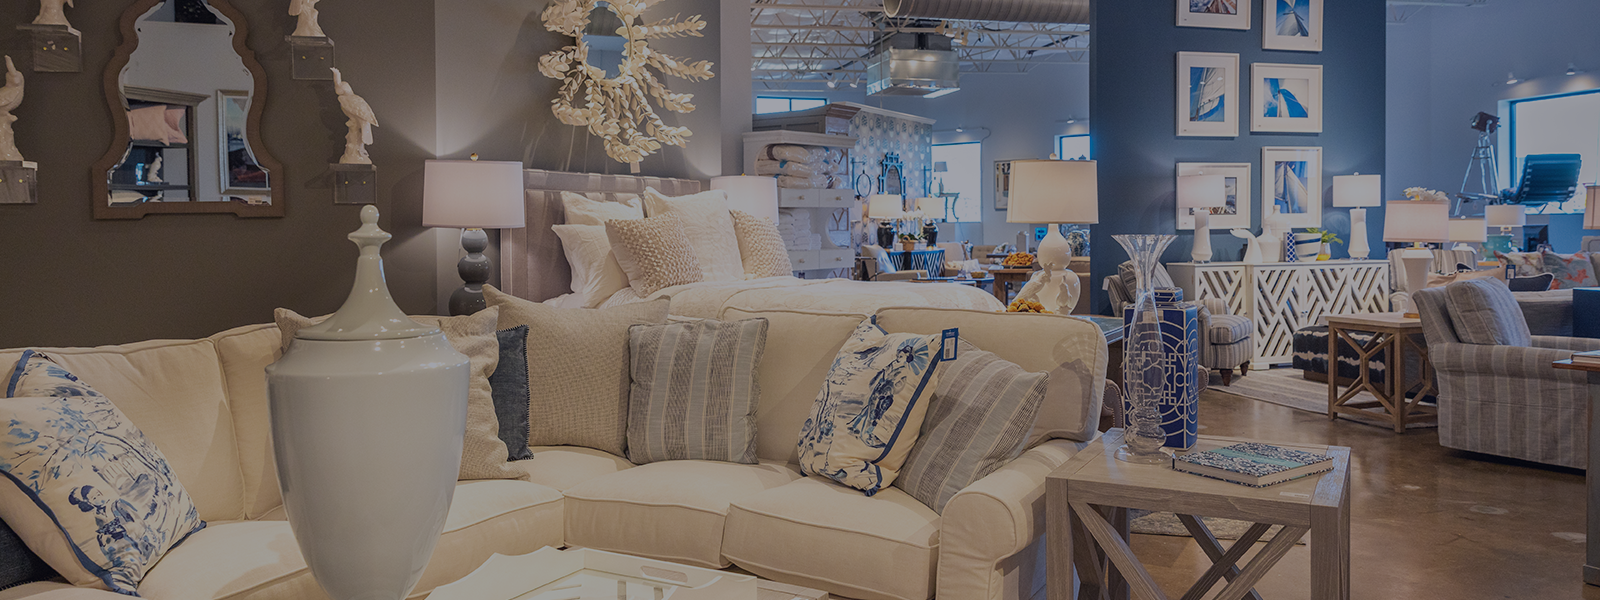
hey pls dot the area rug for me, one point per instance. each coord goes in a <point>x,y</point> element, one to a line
<point>1288,387</point>
<point>1165,523</point>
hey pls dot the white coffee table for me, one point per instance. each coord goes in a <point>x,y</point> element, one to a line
<point>535,576</point>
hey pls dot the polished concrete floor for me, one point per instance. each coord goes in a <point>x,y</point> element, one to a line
<point>1427,521</point>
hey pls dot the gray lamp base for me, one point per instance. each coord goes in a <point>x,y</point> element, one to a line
<point>474,271</point>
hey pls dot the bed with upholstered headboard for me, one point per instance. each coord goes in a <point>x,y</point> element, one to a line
<point>534,265</point>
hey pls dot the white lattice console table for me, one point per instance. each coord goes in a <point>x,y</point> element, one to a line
<point>1281,298</point>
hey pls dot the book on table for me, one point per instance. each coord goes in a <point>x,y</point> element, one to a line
<point>1591,357</point>
<point>1253,464</point>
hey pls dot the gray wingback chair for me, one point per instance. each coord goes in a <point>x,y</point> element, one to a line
<point>1498,393</point>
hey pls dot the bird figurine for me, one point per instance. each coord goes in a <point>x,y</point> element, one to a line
<point>1055,291</point>
<point>361,122</point>
<point>307,26</point>
<point>1252,255</point>
<point>153,173</point>
<point>51,12</point>
<point>10,99</point>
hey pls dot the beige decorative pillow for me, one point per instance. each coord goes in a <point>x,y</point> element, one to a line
<point>760,246</point>
<point>596,274</point>
<point>483,454</point>
<point>583,211</point>
<point>654,252</point>
<point>577,368</point>
<point>705,221</point>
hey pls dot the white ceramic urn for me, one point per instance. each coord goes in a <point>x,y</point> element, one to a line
<point>368,410</point>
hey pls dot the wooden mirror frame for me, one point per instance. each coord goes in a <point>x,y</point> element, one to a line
<point>99,183</point>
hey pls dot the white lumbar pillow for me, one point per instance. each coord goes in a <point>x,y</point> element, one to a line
<point>705,220</point>
<point>583,211</point>
<point>596,274</point>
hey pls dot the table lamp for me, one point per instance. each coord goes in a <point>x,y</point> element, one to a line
<point>1357,192</point>
<point>472,195</point>
<point>934,211</point>
<point>1200,193</point>
<point>1506,217</point>
<point>884,208</point>
<point>756,196</point>
<point>1468,230</point>
<point>1054,192</point>
<point>1418,223</point>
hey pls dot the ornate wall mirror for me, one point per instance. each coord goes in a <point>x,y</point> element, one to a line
<point>891,176</point>
<point>185,97</point>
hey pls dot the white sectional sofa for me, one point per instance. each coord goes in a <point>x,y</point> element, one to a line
<point>204,404</point>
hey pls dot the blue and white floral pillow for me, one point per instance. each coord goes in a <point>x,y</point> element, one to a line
<point>871,408</point>
<point>81,464</point>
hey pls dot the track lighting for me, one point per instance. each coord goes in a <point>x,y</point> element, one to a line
<point>1511,79</point>
<point>1572,69</point>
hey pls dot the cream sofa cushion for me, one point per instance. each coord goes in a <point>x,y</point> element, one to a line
<point>793,367</point>
<point>260,560</point>
<point>671,510</point>
<point>822,535</point>
<point>1070,349</point>
<point>245,353</point>
<point>155,383</point>
<point>51,590</point>
<point>562,467</point>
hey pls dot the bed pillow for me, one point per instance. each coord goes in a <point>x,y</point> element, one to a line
<point>760,247</point>
<point>1528,264</point>
<point>1571,270</point>
<point>705,220</point>
<point>694,391</point>
<point>509,387</point>
<point>654,252</point>
<point>978,420</point>
<point>870,411</point>
<point>483,454</point>
<point>596,274</point>
<point>582,211</point>
<point>577,368</point>
<point>88,492</point>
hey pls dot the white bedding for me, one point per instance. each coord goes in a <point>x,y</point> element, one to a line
<point>706,300</point>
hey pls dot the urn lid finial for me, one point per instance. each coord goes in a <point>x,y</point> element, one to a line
<point>369,313</point>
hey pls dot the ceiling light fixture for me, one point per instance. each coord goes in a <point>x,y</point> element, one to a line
<point>1511,79</point>
<point>960,129</point>
<point>833,85</point>
<point>1572,69</point>
<point>854,83</point>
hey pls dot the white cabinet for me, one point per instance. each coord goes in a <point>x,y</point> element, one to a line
<point>1281,298</point>
<point>826,208</point>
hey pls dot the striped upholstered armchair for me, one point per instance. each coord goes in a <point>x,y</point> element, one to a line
<point>1498,393</point>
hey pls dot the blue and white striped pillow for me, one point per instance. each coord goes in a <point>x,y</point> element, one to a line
<point>694,392</point>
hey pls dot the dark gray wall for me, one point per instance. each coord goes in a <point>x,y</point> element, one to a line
<point>1132,98</point>
<point>66,279</point>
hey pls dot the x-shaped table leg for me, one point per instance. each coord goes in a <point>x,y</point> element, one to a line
<point>1222,563</point>
<point>1240,582</point>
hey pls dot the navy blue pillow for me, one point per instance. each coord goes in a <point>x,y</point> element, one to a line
<point>18,564</point>
<point>1538,283</point>
<point>509,387</point>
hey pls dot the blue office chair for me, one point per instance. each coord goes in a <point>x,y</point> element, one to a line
<point>1546,178</point>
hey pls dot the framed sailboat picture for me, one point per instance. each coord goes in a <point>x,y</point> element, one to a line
<point>1291,179</point>
<point>1208,94</point>
<point>1238,186</point>
<point>1291,25</point>
<point>1216,14</point>
<point>1285,98</point>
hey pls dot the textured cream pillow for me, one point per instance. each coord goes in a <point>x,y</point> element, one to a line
<point>760,246</point>
<point>709,227</point>
<point>596,274</point>
<point>654,252</point>
<point>483,454</point>
<point>583,211</point>
<point>577,368</point>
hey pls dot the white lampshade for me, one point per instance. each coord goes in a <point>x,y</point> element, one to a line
<point>885,206</point>
<point>932,208</point>
<point>1505,215</point>
<point>1591,210</point>
<point>757,196</point>
<point>472,194</point>
<point>1202,191</point>
<point>1054,191</point>
<point>1405,221</point>
<point>1468,230</point>
<point>1353,191</point>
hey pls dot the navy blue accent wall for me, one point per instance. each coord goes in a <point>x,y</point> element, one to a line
<point>1132,96</point>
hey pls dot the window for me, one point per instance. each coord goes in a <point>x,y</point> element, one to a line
<point>962,175</point>
<point>1073,147</point>
<point>769,104</point>
<point>1565,124</point>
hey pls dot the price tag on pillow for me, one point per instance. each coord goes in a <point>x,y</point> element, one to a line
<point>947,346</point>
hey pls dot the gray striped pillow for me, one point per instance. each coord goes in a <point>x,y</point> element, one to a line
<point>694,392</point>
<point>978,421</point>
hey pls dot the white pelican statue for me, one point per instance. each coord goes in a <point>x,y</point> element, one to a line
<point>361,122</point>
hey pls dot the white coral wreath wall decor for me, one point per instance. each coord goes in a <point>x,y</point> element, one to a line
<point>617,109</point>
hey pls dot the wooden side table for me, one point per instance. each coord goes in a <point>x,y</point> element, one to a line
<point>1086,523</point>
<point>1004,278</point>
<point>1391,334</point>
<point>1591,562</point>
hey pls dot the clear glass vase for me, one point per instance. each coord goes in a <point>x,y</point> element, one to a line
<point>1142,353</point>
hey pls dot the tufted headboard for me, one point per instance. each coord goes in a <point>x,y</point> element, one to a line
<point>532,263</point>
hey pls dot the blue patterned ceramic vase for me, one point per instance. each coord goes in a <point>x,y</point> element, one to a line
<point>1179,394</point>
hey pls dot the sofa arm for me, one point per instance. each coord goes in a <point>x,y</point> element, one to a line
<point>994,518</point>
<point>1500,361</point>
<point>1570,344</point>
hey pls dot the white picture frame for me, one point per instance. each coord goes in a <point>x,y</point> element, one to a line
<point>1235,216</point>
<point>1300,196</point>
<point>1285,98</point>
<point>1214,14</point>
<point>1291,25</point>
<point>1207,107</point>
